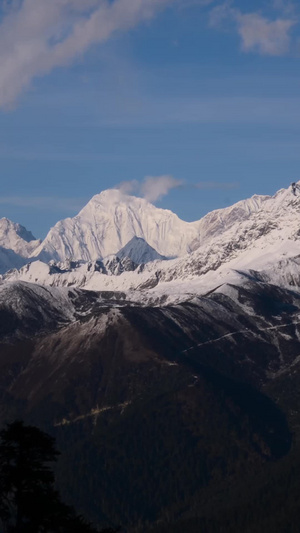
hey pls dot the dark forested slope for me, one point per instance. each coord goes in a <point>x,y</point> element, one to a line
<point>182,415</point>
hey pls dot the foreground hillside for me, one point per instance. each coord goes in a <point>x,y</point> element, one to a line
<point>156,410</point>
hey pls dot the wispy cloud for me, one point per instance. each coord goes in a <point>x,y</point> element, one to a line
<point>51,203</point>
<point>128,187</point>
<point>192,3</point>
<point>155,188</point>
<point>50,155</point>
<point>210,110</point>
<point>152,188</point>
<point>257,32</point>
<point>217,185</point>
<point>38,35</point>
<point>285,7</point>
<point>264,36</point>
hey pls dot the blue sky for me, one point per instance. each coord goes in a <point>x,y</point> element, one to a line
<point>194,104</point>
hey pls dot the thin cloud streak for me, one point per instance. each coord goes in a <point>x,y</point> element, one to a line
<point>51,203</point>
<point>7,153</point>
<point>208,110</point>
<point>216,185</point>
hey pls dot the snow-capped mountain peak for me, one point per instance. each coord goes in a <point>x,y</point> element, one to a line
<point>16,245</point>
<point>139,251</point>
<point>17,238</point>
<point>114,233</point>
<point>108,222</point>
<point>112,218</point>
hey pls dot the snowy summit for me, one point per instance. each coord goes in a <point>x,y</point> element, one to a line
<point>120,242</point>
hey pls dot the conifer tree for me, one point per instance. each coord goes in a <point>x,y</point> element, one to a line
<point>29,502</point>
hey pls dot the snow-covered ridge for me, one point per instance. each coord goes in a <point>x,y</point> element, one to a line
<point>111,219</point>
<point>261,234</point>
<point>253,234</point>
<point>16,245</point>
<point>15,237</point>
<point>109,222</point>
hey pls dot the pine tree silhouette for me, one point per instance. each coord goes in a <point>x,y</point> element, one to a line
<point>29,502</point>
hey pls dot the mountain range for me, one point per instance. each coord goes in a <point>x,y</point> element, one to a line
<point>163,356</point>
<point>116,243</point>
<point>111,219</point>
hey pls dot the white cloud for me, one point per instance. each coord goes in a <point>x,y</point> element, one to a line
<point>221,14</point>
<point>155,187</point>
<point>258,33</point>
<point>128,187</point>
<point>265,36</point>
<point>38,35</point>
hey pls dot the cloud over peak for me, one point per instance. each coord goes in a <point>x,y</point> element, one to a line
<point>153,188</point>
<point>156,187</point>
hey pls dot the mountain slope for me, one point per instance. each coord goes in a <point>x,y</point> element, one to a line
<point>267,238</point>
<point>138,414</point>
<point>10,260</point>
